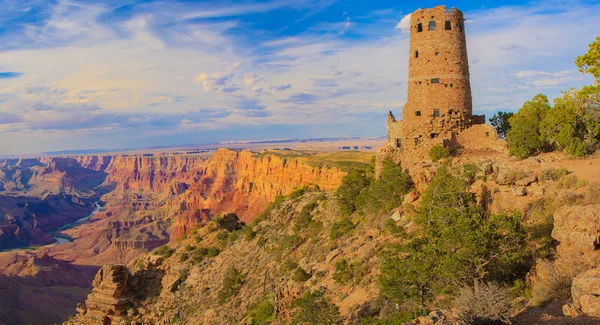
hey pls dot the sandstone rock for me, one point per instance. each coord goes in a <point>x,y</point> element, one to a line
<point>577,229</point>
<point>108,302</point>
<point>526,181</point>
<point>570,310</point>
<point>519,191</point>
<point>396,216</point>
<point>585,292</point>
<point>410,197</point>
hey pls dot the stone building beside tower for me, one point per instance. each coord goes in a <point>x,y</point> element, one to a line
<point>439,109</point>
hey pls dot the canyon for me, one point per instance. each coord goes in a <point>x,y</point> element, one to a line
<point>147,201</point>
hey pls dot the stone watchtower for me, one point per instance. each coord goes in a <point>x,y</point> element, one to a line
<point>439,106</point>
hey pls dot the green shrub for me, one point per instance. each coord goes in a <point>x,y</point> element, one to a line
<point>438,152</point>
<point>201,253</point>
<point>302,221</point>
<point>500,123</point>
<point>341,228</point>
<point>300,275</point>
<point>346,271</point>
<point>457,243</point>
<point>184,257</point>
<point>298,193</point>
<point>229,222</point>
<point>553,174</point>
<point>568,181</point>
<point>524,138</point>
<point>347,193</point>
<point>164,251</point>
<point>232,282</point>
<point>263,312</point>
<point>387,192</point>
<point>315,309</point>
<point>288,266</point>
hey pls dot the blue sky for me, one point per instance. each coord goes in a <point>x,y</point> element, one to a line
<point>114,74</point>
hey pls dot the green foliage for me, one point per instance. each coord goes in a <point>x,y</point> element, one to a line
<point>229,222</point>
<point>263,312</point>
<point>499,122</point>
<point>340,228</point>
<point>572,125</point>
<point>288,266</point>
<point>352,184</point>
<point>590,63</point>
<point>232,282</point>
<point>524,138</point>
<point>315,309</point>
<point>164,251</point>
<point>298,193</point>
<point>184,257</point>
<point>387,192</point>
<point>553,174</point>
<point>304,220</point>
<point>457,244</point>
<point>438,152</point>
<point>346,271</point>
<point>201,253</point>
<point>300,275</point>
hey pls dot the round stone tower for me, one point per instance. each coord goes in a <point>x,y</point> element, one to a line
<point>439,91</point>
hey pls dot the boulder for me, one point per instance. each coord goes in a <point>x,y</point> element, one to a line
<point>577,229</point>
<point>526,181</point>
<point>585,292</point>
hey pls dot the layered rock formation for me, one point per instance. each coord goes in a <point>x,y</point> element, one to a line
<point>108,302</point>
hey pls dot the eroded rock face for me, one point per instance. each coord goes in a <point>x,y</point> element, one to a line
<point>109,300</point>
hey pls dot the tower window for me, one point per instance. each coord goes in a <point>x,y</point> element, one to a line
<point>448,25</point>
<point>418,113</point>
<point>451,85</point>
<point>437,53</point>
<point>435,80</point>
<point>436,113</point>
<point>432,25</point>
<point>417,54</point>
<point>419,27</point>
<point>459,27</point>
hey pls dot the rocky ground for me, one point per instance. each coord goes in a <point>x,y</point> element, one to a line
<point>170,286</point>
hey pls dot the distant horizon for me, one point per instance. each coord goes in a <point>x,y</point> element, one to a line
<point>188,146</point>
<point>102,74</point>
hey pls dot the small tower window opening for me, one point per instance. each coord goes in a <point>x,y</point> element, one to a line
<point>418,113</point>
<point>436,113</point>
<point>416,54</point>
<point>437,53</point>
<point>435,81</point>
<point>433,135</point>
<point>448,25</point>
<point>446,85</point>
<point>460,27</point>
<point>432,25</point>
<point>419,27</point>
<point>451,85</point>
<point>398,143</point>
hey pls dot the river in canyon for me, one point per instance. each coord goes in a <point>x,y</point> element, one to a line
<point>61,239</point>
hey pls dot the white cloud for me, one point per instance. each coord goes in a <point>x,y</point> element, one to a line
<point>404,24</point>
